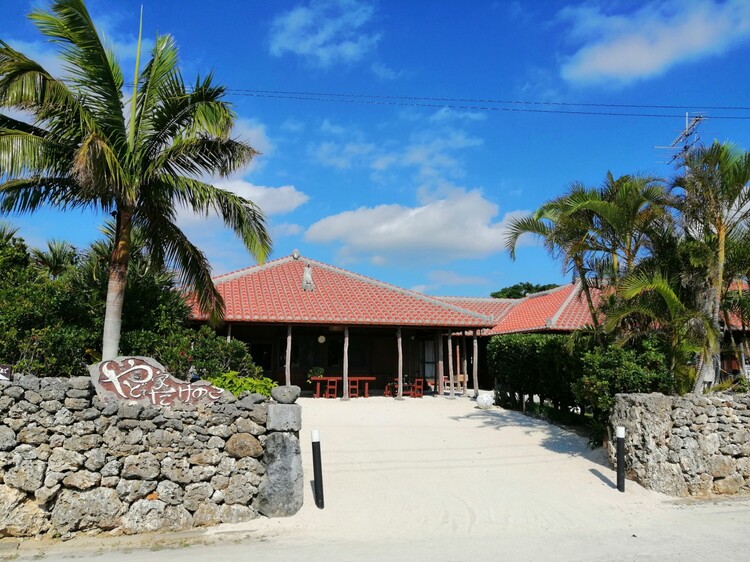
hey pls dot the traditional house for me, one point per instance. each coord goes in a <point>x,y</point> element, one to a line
<point>297,313</point>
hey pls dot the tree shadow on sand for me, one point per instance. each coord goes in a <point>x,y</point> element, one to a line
<point>558,439</point>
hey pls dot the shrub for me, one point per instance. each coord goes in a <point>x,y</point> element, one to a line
<point>237,383</point>
<point>611,370</point>
<point>533,364</point>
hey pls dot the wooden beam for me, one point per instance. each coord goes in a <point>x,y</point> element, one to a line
<point>229,332</point>
<point>465,365</point>
<point>451,380</point>
<point>440,370</point>
<point>475,366</point>
<point>345,381</point>
<point>400,393</point>
<point>288,365</point>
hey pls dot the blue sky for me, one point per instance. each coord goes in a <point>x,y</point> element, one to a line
<point>376,172</point>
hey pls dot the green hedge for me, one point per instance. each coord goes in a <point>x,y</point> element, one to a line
<point>533,364</point>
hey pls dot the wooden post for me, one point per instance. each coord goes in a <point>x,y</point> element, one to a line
<point>475,366</point>
<point>400,393</point>
<point>450,364</point>
<point>465,365</point>
<point>229,332</point>
<point>345,381</point>
<point>440,371</point>
<point>288,366</point>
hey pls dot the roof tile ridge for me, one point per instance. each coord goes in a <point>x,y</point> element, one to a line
<point>232,275</point>
<point>476,299</point>
<point>401,290</point>
<point>564,305</point>
<point>548,291</point>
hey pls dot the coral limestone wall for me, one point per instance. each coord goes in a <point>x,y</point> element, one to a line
<point>691,445</point>
<point>70,462</point>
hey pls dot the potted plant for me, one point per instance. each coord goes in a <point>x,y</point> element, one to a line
<point>315,372</point>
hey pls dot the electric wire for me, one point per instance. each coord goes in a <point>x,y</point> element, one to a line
<point>468,104</point>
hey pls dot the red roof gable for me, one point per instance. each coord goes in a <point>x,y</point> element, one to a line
<point>561,308</point>
<point>273,292</point>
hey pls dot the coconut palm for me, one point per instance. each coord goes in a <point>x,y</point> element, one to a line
<point>714,201</point>
<point>142,162</point>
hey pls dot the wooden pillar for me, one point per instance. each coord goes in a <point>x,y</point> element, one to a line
<point>465,369</point>
<point>400,393</point>
<point>440,372</point>
<point>451,380</point>
<point>475,366</point>
<point>229,332</point>
<point>345,381</point>
<point>288,365</point>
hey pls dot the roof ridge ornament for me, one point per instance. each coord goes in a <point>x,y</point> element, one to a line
<point>307,279</point>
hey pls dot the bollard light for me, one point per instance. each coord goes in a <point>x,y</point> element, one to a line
<point>317,469</point>
<point>620,435</point>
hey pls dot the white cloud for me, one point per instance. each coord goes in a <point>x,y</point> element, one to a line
<point>253,133</point>
<point>430,152</point>
<point>445,114</point>
<point>272,200</point>
<point>292,126</point>
<point>648,42</point>
<point>342,155</point>
<point>462,224</point>
<point>325,32</point>
<point>285,229</point>
<point>385,72</point>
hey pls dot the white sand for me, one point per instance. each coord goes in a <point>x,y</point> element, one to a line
<point>439,479</point>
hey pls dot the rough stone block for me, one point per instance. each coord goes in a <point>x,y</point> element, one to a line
<point>281,492</point>
<point>285,394</point>
<point>284,417</point>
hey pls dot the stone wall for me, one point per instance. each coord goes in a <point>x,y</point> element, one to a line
<point>70,462</point>
<point>686,446</point>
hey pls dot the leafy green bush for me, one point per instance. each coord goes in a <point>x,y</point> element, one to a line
<point>533,364</point>
<point>181,350</point>
<point>611,370</point>
<point>237,383</point>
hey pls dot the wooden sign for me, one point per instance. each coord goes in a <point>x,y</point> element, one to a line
<point>5,372</point>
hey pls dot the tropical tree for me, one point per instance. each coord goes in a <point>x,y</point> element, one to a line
<point>140,162</point>
<point>626,210</point>
<point>650,304</point>
<point>714,202</point>
<point>56,259</point>
<point>566,233</point>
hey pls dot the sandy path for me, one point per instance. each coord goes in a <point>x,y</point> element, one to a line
<point>439,479</point>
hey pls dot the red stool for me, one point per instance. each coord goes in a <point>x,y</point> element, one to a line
<point>353,389</point>
<point>332,388</point>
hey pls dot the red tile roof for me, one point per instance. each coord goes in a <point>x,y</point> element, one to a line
<point>562,308</point>
<point>273,292</point>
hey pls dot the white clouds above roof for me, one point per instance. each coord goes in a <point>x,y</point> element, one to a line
<point>629,47</point>
<point>325,32</point>
<point>272,200</point>
<point>458,224</point>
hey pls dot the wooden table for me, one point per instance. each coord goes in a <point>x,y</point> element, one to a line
<point>319,380</point>
<point>366,380</point>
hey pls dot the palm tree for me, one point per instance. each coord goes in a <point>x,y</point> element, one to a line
<point>87,150</point>
<point>625,210</point>
<point>565,233</point>
<point>714,201</point>
<point>56,259</point>
<point>650,303</point>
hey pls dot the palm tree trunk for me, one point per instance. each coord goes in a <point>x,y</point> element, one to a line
<point>587,293</point>
<point>118,274</point>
